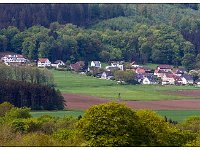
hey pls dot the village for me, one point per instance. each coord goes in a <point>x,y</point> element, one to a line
<point>163,74</point>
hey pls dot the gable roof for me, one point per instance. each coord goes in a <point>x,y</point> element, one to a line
<point>97,63</point>
<point>42,60</point>
<point>187,77</point>
<point>58,61</point>
<point>151,78</point>
<point>169,75</point>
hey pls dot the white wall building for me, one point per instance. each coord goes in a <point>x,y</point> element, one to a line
<point>43,62</point>
<point>9,59</point>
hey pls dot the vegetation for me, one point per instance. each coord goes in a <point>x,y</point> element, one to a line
<point>68,82</point>
<point>35,96</point>
<point>26,74</point>
<point>167,37</point>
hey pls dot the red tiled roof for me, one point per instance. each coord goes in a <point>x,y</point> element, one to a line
<point>42,60</point>
<point>169,75</point>
<point>140,70</point>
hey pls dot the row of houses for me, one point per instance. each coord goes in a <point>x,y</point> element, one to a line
<point>163,74</point>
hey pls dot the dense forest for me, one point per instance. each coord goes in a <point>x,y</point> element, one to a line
<point>35,96</point>
<point>155,33</point>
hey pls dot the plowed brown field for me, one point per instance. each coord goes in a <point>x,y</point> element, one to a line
<point>80,102</point>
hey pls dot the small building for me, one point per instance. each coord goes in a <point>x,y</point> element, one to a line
<point>139,77</point>
<point>187,79</point>
<point>159,73</point>
<point>149,80</point>
<point>78,66</point>
<point>43,62</point>
<point>166,68</point>
<point>169,77</point>
<point>140,70</point>
<point>96,64</point>
<point>107,75</point>
<point>14,59</point>
<point>117,64</point>
<point>197,82</point>
<point>58,63</point>
<point>112,68</point>
<point>180,71</point>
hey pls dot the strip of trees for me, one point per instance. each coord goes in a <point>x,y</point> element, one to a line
<point>27,74</point>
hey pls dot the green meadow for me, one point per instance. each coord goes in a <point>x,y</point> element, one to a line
<point>68,82</point>
<point>175,115</point>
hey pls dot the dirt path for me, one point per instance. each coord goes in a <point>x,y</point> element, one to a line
<point>80,102</point>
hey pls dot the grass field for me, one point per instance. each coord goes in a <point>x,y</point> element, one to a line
<point>68,82</point>
<point>175,115</point>
<point>75,113</point>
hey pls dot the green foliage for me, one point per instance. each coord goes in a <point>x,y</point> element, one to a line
<point>15,113</point>
<point>4,108</point>
<point>109,124</point>
<point>38,139</point>
<point>191,123</point>
<point>25,125</point>
<point>126,76</point>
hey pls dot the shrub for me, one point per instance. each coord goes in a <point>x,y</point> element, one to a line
<point>4,108</point>
<point>110,124</point>
<point>25,125</point>
<point>15,112</point>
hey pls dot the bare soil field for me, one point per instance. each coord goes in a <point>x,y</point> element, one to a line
<point>80,102</point>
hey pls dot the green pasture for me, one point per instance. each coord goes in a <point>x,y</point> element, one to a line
<point>178,115</point>
<point>68,82</point>
<point>72,113</point>
<point>175,115</point>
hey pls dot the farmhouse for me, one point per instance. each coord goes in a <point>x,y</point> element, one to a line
<point>14,59</point>
<point>58,63</point>
<point>180,71</point>
<point>43,62</point>
<point>78,66</point>
<point>150,79</point>
<point>107,75</point>
<point>187,79</point>
<point>117,64</point>
<point>96,64</point>
<point>166,68</point>
<point>168,78</point>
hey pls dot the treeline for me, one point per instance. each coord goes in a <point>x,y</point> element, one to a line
<point>158,44</point>
<point>35,96</point>
<point>96,128</point>
<point>26,15</point>
<point>27,74</point>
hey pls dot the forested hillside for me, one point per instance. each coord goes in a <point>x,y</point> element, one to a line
<point>157,33</point>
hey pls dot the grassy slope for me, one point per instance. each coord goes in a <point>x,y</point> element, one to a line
<point>68,82</point>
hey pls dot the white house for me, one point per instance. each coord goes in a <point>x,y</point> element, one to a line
<point>116,64</point>
<point>43,62</point>
<point>187,79</point>
<point>58,63</point>
<point>168,78</point>
<point>107,75</point>
<point>96,64</point>
<point>149,80</point>
<point>9,59</point>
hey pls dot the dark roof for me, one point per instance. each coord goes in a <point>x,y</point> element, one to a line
<point>151,78</point>
<point>97,62</point>
<point>80,63</point>
<point>58,61</point>
<point>181,70</point>
<point>162,71</point>
<point>187,77</point>
<point>198,80</point>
